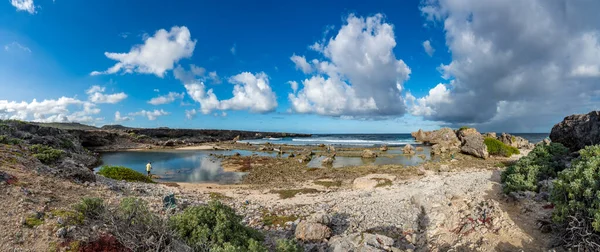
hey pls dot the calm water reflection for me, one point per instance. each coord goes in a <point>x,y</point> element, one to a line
<point>179,165</point>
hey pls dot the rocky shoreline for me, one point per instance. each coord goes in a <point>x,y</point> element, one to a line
<point>453,204</point>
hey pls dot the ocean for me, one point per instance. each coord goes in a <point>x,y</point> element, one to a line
<point>365,139</point>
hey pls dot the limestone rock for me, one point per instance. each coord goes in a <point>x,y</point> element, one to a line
<point>408,149</point>
<point>368,154</point>
<point>383,148</point>
<point>321,217</point>
<point>472,143</point>
<point>577,131</point>
<point>311,231</point>
<point>327,161</point>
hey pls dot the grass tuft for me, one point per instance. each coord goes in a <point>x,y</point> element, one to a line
<point>123,173</point>
<point>328,184</point>
<point>290,193</point>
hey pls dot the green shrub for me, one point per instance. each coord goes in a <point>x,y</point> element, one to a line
<point>9,140</point>
<point>577,191</point>
<point>215,227</point>
<point>123,173</point>
<point>497,147</point>
<point>34,220</point>
<point>46,154</point>
<point>136,227</point>
<point>91,208</point>
<point>70,218</point>
<point>288,245</point>
<point>576,197</point>
<point>464,128</point>
<point>541,163</point>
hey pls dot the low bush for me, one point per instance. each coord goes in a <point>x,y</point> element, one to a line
<point>288,245</point>
<point>123,173</point>
<point>464,128</point>
<point>9,140</point>
<point>497,147</point>
<point>91,208</point>
<point>46,154</point>
<point>576,196</point>
<point>543,162</point>
<point>215,227</point>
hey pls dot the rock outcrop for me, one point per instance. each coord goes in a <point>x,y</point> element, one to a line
<point>383,148</point>
<point>312,231</point>
<point>368,154</point>
<point>577,131</point>
<point>514,141</point>
<point>408,149</point>
<point>472,143</point>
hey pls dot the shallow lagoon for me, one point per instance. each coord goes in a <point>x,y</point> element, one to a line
<point>198,166</point>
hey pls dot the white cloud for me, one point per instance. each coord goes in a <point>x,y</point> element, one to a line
<point>152,115</point>
<point>191,114</point>
<point>251,92</point>
<point>96,95</point>
<point>428,48</point>
<point>157,55</point>
<point>233,49</point>
<point>301,63</point>
<point>49,110</point>
<point>119,118</point>
<point>16,46</point>
<point>293,85</point>
<point>24,5</point>
<point>438,96</point>
<point>165,99</point>
<point>361,76</point>
<point>214,77</point>
<point>543,54</point>
<point>156,90</point>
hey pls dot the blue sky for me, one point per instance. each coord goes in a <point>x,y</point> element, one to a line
<point>379,80</point>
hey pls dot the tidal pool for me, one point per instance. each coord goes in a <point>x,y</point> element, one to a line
<point>180,165</point>
<point>392,156</point>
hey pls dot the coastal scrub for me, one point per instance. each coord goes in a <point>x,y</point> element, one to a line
<point>123,173</point>
<point>46,154</point>
<point>497,147</point>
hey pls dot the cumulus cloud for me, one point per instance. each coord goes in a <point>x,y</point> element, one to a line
<point>157,55</point>
<point>24,5</point>
<point>151,115</point>
<point>250,92</point>
<point>293,85</point>
<point>428,48</point>
<point>49,110</point>
<point>165,99</point>
<point>360,77</point>
<point>540,57</point>
<point>16,46</point>
<point>119,118</point>
<point>301,63</point>
<point>96,95</point>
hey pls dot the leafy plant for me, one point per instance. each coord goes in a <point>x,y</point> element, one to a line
<point>576,196</point>
<point>497,147</point>
<point>46,154</point>
<point>90,207</point>
<point>288,245</point>
<point>123,173</point>
<point>215,227</point>
<point>543,162</point>
<point>9,140</point>
<point>464,128</point>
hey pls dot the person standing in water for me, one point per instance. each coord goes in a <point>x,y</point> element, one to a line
<point>148,168</point>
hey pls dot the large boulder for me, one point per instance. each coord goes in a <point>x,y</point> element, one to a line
<point>577,131</point>
<point>514,141</point>
<point>472,143</point>
<point>490,135</point>
<point>327,161</point>
<point>442,140</point>
<point>408,149</point>
<point>312,231</point>
<point>420,136</point>
<point>368,154</point>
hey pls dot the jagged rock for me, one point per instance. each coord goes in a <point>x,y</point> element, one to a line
<point>61,232</point>
<point>304,159</point>
<point>361,242</point>
<point>577,131</point>
<point>472,143</point>
<point>514,141</point>
<point>70,169</point>
<point>368,154</point>
<point>311,231</point>
<point>443,140</point>
<point>236,138</point>
<point>408,149</point>
<point>169,143</point>
<point>490,135</point>
<point>383,148</point>
<point>420,136</point>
